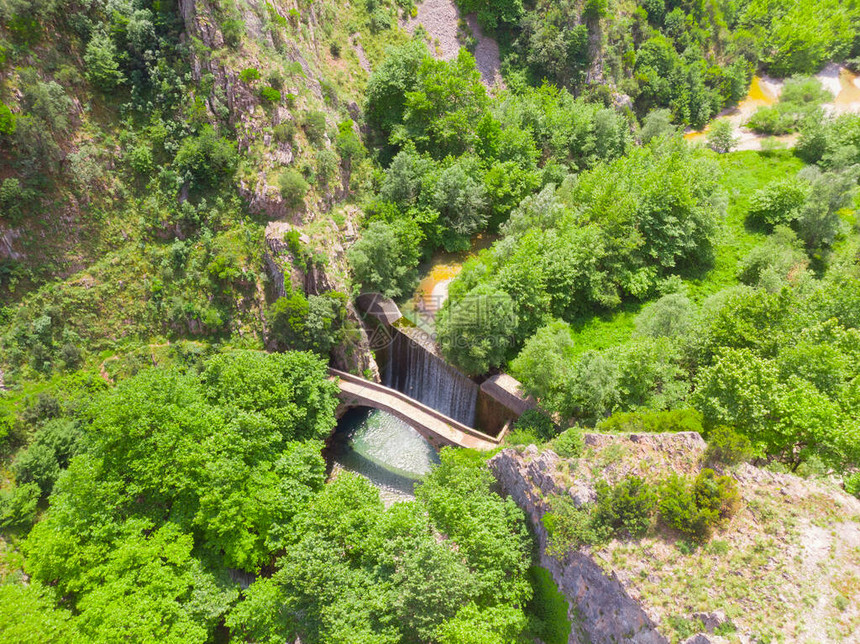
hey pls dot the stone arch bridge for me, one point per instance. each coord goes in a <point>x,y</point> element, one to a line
<point>435,426</point>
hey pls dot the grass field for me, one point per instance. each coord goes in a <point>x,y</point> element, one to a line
<point>742,174</point>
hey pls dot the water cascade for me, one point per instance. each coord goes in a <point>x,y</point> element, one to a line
<point>414,368</point>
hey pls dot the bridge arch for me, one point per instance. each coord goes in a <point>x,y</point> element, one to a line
<point>436,427</point>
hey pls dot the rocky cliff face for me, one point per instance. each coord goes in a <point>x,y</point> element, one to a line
<point>779,571</point>
<point>600,607</point>
<point>354,355</point>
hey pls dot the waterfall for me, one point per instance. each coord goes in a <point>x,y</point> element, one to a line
<point>414,369</point>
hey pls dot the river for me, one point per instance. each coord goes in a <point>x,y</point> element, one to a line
<point>765,91</point>
<point>382,448</point>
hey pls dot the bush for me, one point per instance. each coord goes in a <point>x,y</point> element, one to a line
<point>270,95</point>
<point>284,132</point>
<point>328,166</point>
<point>233,29</point>
<point>37,464</point>
<point>569,527</point>
<point>626,507</point>
<point>140,159</point>
<point>716,494</point>
<point>697,509</point>
<point>101,64</point>
<point>536,423</point>
<point>778,203</point>
<point>12,197</point>
<point>314,125</point>
<point>249,74</point>
<point>721,137</point>
<point>852,484</point>
<point>207,158</point>
<point>18,505</point>
<point>385,258</point>
<point>569,444</point>
<point>307,323</point>
<point>7,120</point>
<point>293,188</point>
<point>275,78</point>
<point>727,447</point>
<point>653,422</point>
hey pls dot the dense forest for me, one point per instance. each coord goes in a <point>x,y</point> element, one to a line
<point>165,397</point>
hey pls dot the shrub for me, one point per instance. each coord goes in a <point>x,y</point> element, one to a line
<point>270,95</point>
<point>249,74</point>
<point>677,420</point>
<point>101,63</point>
<point>569,527</point>
<point>275,78</point>
<point>293,188</point>
<point>334,48</point>
<point>328,166</point>
<point>538,423</point>
<point>385,259</point>
<point>348,144</point>
<point>697,509</point>
<point>727,447</point>
<point>678,508</point>
<point>569,444</point>
<point>852,484</point>
<point>307,323</point>
<point>721,137</point>
<point>627,506</point>
<point>284,132</point>
<point>778,203</point>
<point>716,494</point>
<point>233,29</point>
<point>12,197</point>
<point>207,157</point>
<point>37,464</point>
<point>140,159</point>
<point>7,120</point>
<point>18,505</point>
<point>313,123</point>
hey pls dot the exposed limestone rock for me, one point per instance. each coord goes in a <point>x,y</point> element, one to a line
<point>762,569</point>
<point>712,621</point>
<point>599,603</point>
<point>352,356</point>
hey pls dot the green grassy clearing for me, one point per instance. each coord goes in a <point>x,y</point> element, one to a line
<point>548,608</point>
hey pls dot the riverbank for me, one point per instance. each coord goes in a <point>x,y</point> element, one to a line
<point>765,92</point>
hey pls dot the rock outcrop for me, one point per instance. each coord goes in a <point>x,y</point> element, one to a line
<point>600,607</point>
<point>781,569</point>
<point>354,355</point>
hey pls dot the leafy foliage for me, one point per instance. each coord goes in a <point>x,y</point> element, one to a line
<point>401,583</point>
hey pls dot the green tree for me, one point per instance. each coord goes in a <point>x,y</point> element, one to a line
<point>206,160</point>
<point>293,188</point>
<point>387,87</point>
<point>102,67</point>
<point>440,113</point>
<point>307,323</point>
<point>721,136</point>
<point>385,258</point>
<point>476,331</point>
<point>544,364</point>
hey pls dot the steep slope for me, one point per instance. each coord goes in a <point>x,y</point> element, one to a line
<point>785,567</point>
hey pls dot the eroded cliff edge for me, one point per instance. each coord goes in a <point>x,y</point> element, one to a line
<point>777,570</point>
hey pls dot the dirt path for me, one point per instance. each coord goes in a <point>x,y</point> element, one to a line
<point>359,52</point>
<point>439,19</point>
